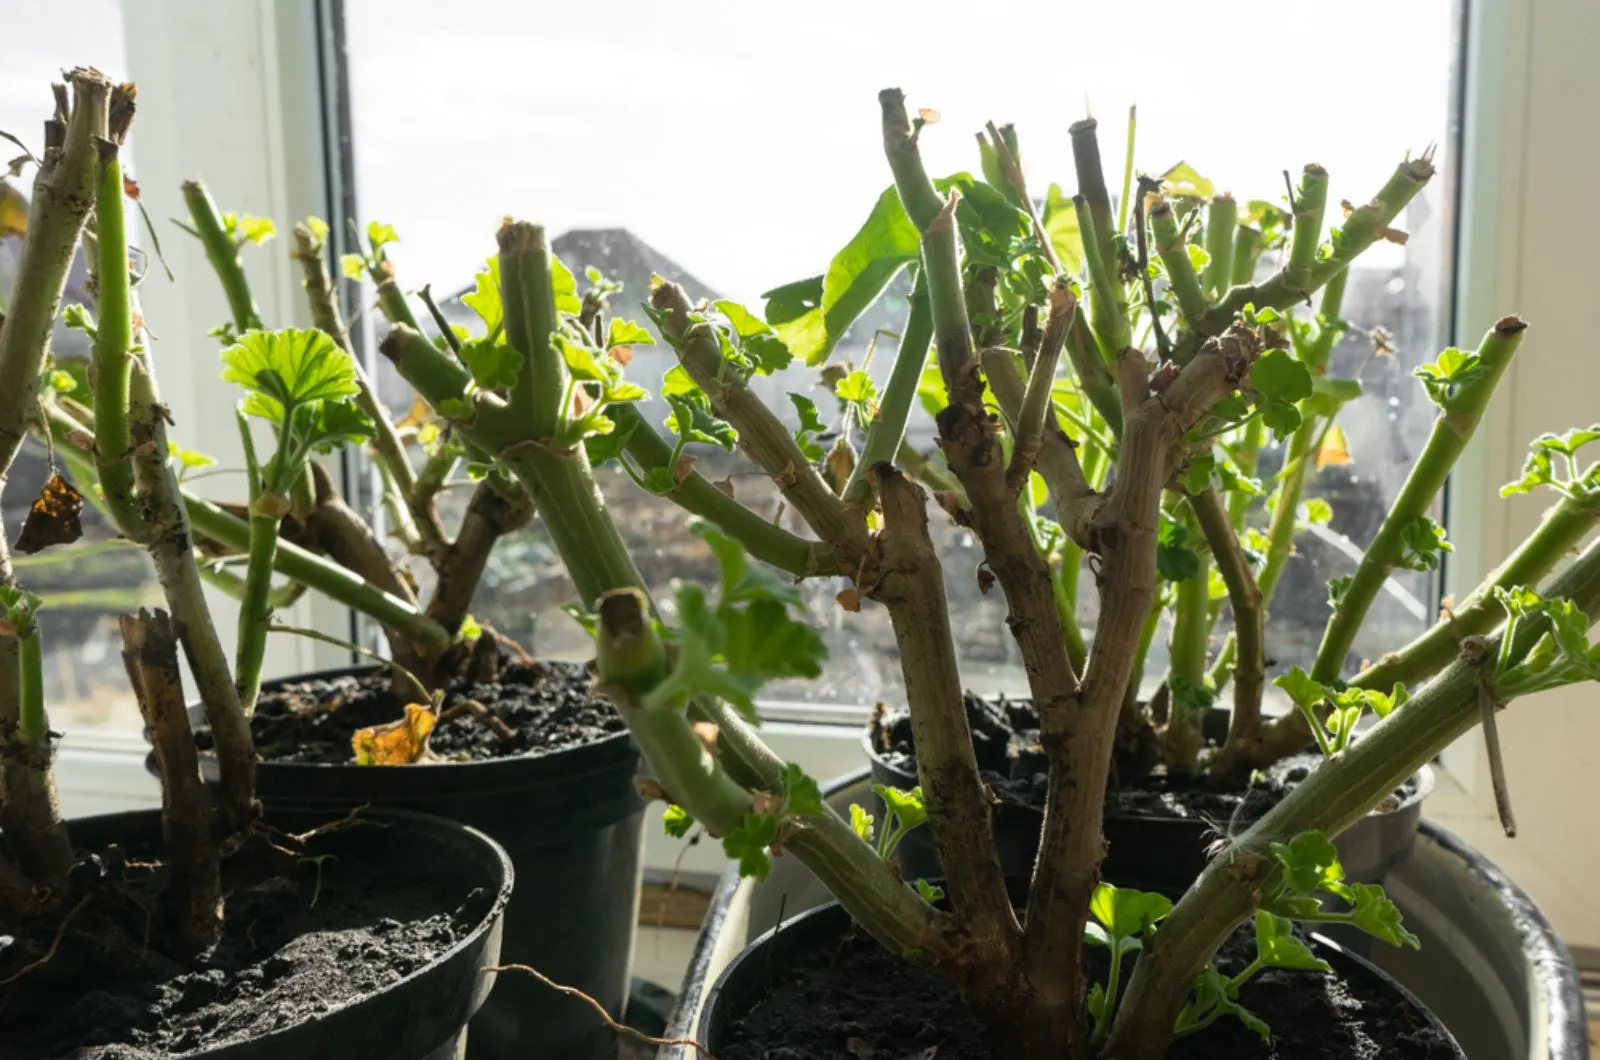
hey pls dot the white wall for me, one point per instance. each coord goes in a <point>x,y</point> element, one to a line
<point>1531,236</point>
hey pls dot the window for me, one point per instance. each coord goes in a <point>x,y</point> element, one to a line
<point>751,168</point>
<point>87,586</point>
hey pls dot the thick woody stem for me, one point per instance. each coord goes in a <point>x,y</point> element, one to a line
<point>170,545</point>
<point>150,653</point>
<point>1126,530</point>
<point>63,194</point>
<point>912,588</point>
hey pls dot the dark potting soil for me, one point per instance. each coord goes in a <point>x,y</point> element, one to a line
<point>300,938</point>
<point>856,1001</point>
<point>546,705</point>
<point>1005,734</point>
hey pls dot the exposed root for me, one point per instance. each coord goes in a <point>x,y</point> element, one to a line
<point>54,945</point>
<point>572,991</point>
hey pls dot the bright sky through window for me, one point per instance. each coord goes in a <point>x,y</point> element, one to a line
<point>742,139</point>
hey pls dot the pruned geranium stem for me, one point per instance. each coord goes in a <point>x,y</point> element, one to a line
<point>1334,796</point>
<point>63,194</point>
<point>1309,203</point>
<point>150,653</point>
<point>223,254</point>
<point>1174,254</point>
<point>1563,528</point>
<point>1451,431</point>
<point>423,524</point>
<point>112,350</point>
<point>1222,217</point>
<point>888,430</point>
<point>1361,229</point>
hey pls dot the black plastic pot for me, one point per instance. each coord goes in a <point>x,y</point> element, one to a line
<point>749,977</point>
<point>571,823</point>
<point>422,1016</point>
<point>1164,852</point>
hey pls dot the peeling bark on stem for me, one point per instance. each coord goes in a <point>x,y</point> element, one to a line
<point>1126,528</point>
<point>170,545</point>
<point>150,653</point>
<point>912,588</point>
<point>63,194</point>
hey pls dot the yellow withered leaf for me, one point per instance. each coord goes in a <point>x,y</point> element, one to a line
<point>398,743</point>
<point>13,212</point>
<point>1333,452</point>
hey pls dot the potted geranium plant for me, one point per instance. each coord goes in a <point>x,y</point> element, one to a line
<point>206,927</point>
<point>1069,964</point>
<point>1184,767</point>
<point>457,720</point>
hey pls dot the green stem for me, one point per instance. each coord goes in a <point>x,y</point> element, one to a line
<point>1563,528</point>
<point>530,314</point>
<point>1361,229</point>
<point>1286,505</point>
<point>1320,348</point>
<point>1127,171</point>
<point>392,301</point>
<point>1335,795</point>
<point>1174,254</point>
<point>1248,244</point>
<point>1068,573</point>
<point>63,193</point>
<point>1147,637</point>
<point>1102,1025</point>
<point>1221,219</point>
<point>1094,375</point>
<point>1106,313</point>
<point>33,727</point>
<point>223,253</point>
<point>1092,189</point>
<point>1309,203</point>
<point>255,609</point>
<point>1451,432</point>
<point>888,429</point>
<point>766,540</point>
<point>922,202</point>
<point>324,576</point>
<point>1246,455</point>
<point>284,596</point>
<point>112,349</point>
<point>400,479</point>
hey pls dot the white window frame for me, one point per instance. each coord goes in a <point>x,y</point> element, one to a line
<point>236,98</point>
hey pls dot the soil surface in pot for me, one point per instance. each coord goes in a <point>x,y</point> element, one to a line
<point>109,980</point>
<point>1005,734</point>
<point>857,1000</point>
<point>547,706</point>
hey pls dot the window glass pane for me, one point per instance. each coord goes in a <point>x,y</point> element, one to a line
<point>736,148</point>
<point>85,586</point>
